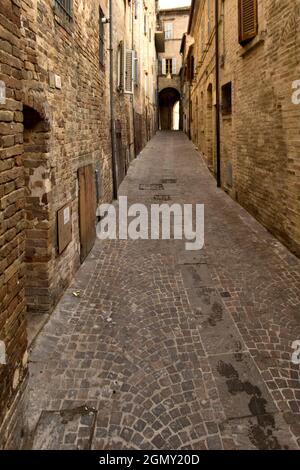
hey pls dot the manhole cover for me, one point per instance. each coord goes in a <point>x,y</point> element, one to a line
<point>151,187</point>
<point>169,181</point>
<point>66,429</point>
<point>162,197</point>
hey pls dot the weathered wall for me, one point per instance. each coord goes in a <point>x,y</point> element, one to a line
<point>74,119</point>
<point>12,247</point>
<point>260,144</point>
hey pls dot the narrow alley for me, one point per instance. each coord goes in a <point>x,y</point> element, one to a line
<point>156,347</point>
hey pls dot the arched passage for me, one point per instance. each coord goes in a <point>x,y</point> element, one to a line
<point>169,109</point>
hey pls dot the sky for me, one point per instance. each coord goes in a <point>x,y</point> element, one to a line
<point>173,3</point>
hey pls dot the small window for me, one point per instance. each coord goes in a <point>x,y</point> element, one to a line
<point>248,23</point>
<point>145,24</point>
<point>64,8</point>
<point>227,98</point>
<point>168,28</point>
<point>101,37</point>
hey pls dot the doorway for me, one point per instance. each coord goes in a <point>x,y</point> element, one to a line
<point>169,109</point>
<point>87,210</point>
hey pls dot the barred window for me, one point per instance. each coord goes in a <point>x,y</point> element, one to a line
<point>65,8</point>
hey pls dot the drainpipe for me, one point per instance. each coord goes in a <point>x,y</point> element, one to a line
<point>112,104</point>
<point>218,132</point>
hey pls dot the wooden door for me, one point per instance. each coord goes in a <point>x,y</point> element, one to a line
<point>87,210</point>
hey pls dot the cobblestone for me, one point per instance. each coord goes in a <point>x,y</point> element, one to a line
<point>197,350</point>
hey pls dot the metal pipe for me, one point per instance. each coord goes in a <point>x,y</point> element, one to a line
<point>218,132</point>
<point>112,104</point>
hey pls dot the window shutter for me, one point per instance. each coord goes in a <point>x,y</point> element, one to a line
<point>247,20</point>
<point>173,66</point>
<point>128,83</point>
<point>163,66</point>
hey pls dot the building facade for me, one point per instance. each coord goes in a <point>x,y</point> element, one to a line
<point>174,22</point>
<point>259,68</point>
<point>56,152</point>
<point>13,341</point>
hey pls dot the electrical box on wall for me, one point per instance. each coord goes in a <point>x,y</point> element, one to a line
<point>64,227</point>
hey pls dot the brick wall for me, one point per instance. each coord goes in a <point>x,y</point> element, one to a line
<point>260,144</point>
<point>177,19</point>
<point>12,247</point>
<point>65,92</point>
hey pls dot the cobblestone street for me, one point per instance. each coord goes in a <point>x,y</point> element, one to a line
<point>164,348</point>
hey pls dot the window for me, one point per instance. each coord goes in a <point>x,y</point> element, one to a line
<point>227,98</point>
<point>248,24</point>
<point>145,25</point>
<point>65,8</point>
<point>101,37</point>
<point>168,28</point>
<point>129,71</point>
<point>169,67</point>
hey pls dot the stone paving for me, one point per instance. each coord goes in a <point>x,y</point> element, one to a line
<point>169,349</point>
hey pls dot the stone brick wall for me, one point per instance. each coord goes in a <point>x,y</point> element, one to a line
<point>12,235</point>
<point>136,112</point>
<point>55,120</point>
<point>260,144</point>
<point>65,91</point>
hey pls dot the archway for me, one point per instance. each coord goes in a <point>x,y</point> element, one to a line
<point>169,109</point>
